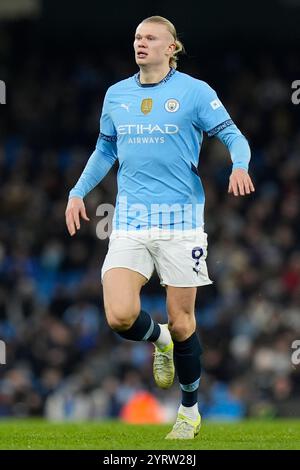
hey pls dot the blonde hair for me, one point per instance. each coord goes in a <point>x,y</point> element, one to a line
<point>171,28</point>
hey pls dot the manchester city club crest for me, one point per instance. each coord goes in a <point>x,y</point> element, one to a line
<point>172,105</point>
<point>146,105</point>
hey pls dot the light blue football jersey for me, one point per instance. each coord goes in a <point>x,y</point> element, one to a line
<point>156,132</point>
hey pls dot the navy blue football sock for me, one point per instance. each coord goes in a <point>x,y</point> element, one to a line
<point>143,329</point>
<point>188,367</point>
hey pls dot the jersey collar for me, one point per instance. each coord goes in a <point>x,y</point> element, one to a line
<point>164,80</point>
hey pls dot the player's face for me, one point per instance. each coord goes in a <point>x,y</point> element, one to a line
<point>153,44</point>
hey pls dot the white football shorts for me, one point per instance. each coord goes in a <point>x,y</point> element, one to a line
<point>179,257</point>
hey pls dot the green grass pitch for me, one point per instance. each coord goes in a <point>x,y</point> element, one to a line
<point>112,435</point>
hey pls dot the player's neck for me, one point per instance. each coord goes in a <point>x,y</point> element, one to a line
<point>152,75</point>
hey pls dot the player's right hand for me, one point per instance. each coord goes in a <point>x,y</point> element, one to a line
<point>75,209</point>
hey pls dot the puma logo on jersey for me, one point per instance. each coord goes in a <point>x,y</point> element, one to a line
<point>125,106</point>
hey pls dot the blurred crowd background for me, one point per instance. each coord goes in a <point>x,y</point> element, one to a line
<point>63,362</point>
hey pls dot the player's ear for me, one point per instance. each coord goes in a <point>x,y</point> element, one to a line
<point>172,47</point>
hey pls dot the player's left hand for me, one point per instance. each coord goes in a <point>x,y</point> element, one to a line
<point>240,183</point>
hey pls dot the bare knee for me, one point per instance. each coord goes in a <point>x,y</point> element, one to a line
<point>182,326</point>
<point>121,294</point>
<point>121,318</point>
